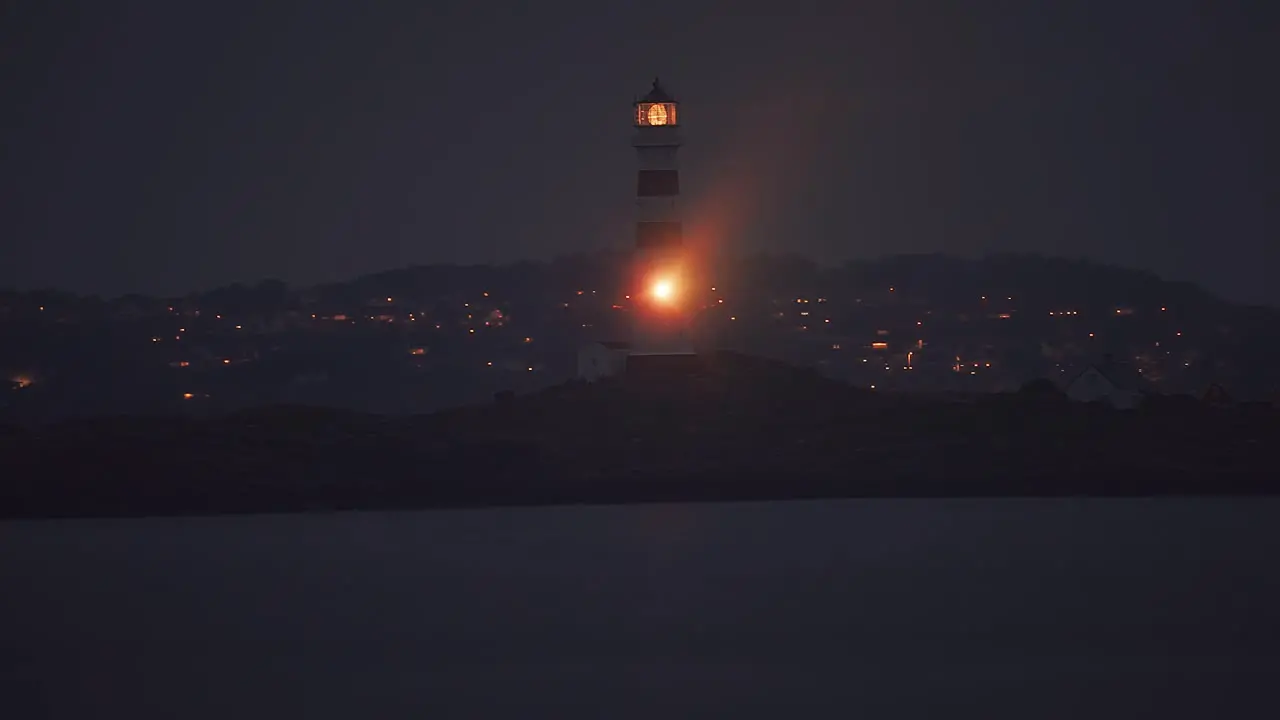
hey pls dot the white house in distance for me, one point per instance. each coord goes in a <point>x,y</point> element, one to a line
<point>602,359</point>
<point>1117,385</point>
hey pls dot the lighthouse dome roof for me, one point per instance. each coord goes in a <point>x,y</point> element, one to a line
<point>657,94</point>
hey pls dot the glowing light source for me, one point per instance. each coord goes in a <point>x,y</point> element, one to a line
<point>663,290</point>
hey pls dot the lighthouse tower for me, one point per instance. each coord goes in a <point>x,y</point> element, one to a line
<point>660,293</point>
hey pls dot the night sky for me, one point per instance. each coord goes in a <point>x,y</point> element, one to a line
<point>161,146</point>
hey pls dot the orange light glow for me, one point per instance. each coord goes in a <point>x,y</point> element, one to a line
<point>22,381</point>
<point>656,114</point>
<point>663,290</point>
<point>187,396</point>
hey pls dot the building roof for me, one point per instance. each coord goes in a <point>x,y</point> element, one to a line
<point>657,94</point>
<point>1217,395</point>
<point>1120,375</point>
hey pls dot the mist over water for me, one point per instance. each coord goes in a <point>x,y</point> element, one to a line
<point>977,608</point>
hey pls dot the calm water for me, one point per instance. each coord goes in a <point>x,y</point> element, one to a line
<point>982,608</point>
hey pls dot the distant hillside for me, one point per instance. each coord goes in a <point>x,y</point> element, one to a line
<point>934,276</point>
<point>425,338</point>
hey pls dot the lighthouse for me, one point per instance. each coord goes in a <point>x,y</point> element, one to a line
<point>661,294</point>
<point>661,281</point>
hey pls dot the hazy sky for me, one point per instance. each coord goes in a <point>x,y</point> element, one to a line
<point>168,146</point>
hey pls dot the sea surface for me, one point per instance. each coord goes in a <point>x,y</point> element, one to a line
<point>1163,608</point>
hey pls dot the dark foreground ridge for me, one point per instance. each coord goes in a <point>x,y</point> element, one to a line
<point>723,428</point>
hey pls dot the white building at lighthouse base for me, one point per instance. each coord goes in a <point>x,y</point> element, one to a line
<point>599,360</point>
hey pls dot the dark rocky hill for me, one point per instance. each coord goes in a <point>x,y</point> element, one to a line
<point>727,427</point>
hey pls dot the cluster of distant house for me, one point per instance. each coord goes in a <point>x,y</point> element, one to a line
<point>1108,381</point>
<point>1121,387</point>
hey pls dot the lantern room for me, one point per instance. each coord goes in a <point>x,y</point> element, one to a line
<point>656,109</point>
